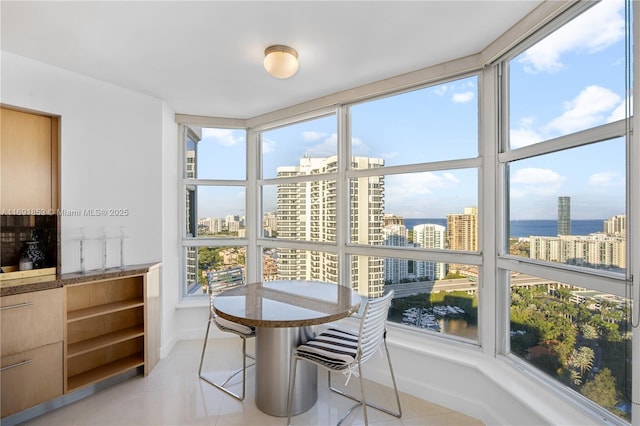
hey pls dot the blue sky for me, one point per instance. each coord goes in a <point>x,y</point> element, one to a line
<point>572,80</point>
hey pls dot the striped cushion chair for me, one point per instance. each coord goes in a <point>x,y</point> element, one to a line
<point>344,351</point>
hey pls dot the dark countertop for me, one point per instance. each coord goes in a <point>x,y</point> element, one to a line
<point>27,285</point>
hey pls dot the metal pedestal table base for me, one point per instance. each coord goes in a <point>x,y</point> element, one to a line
<point>273,360</point>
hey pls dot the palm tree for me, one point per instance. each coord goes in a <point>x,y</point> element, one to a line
<point>589,332</point>
<point>583,359</point>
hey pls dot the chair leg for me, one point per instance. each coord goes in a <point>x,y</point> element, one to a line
<point>243,370</point>
<point>292,381</point>
<point>360,402</point>
<point>393,379</point>
<point>204,348</point>
<point>244,366</point>
<point>364,399</point>
<point>397,414</point>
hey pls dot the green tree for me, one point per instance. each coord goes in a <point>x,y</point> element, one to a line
<point>576,378</point>
<point>602,389</point>
<point>207,258</point>
<point>589,331</point>
<point>582,359</point>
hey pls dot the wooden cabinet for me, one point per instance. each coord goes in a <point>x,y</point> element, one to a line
<point>79,330</point>
<point>32,349</point>
<point>108,330</point>
<point>28,162</point>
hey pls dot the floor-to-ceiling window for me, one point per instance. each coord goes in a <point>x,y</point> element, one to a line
<point>214,205</point>
<point>412,191</point>
<point>299,165</point>
<point>564,164</point>
<point>395,192</point>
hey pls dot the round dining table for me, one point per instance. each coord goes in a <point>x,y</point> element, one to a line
<point>285,313</point>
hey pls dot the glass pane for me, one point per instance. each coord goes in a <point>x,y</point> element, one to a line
<point>221,211</point>
<point>293,264</point>
<point>212,263</point>
<point>446,198</point>
<point>570,81</point>
<point>216,153</point>
<point>431,124</point>
<point>579,337</point>
<point>447,305</point>
<point>569,206</point>
<point>304,211</point>
<point>300,148</point>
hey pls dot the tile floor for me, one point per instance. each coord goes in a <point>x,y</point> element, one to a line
<point>174,395</point>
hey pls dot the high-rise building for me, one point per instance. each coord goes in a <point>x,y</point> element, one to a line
<point>307,211</point>
<point>564,215</point>
<point>391,219</point>
<point>615,225</point>
<point>395,235</point>
<point>211,225</point>
<point>270,224</point>
<point>598,250</point>
<point>462,230</point>
<point>430,235</point>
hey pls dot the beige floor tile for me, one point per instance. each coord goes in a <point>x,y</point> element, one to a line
<point>174,395</point>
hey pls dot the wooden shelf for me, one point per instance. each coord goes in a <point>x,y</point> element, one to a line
<point>105,333</point>
<point>104,341</point>
<point>105,309</point>
<point>105,371</point>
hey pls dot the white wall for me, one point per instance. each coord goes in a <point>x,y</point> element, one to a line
<point>110,158</point>
<point>119,150</point>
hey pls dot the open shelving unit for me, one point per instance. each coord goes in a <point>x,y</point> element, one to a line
<point>105,329</point>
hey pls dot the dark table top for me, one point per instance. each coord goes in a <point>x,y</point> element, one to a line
<point>286,303</point>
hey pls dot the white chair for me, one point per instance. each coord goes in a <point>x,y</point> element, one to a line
<point>215,285</point>
<point>341,350</point>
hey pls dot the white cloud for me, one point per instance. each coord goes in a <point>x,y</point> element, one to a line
<point>450,177</point>
<point>593,106</point>
<point>535,181</point>
<point>358,147</point>
<point>268,145</point>
<point>441,89</point>
<point>326,148</point>
<point>463,97</point>
<point>224,136</point>
<point>592,31</point>
<point>619,112</point>
<point>606,180</point>
<point>589,108</point>
<point>313,136</point>
<point>525,135</point>
<point>412,184</point>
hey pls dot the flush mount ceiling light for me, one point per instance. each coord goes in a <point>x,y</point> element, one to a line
<point>281,61</point>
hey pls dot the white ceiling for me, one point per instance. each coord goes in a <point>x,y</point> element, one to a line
<point>205,57</point>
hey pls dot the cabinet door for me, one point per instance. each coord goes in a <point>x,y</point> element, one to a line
<point>31,377</point>
<point>32,319</point>
<point>28,162</point>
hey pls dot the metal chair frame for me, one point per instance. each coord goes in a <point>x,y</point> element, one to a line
<point>371,335</point>
<point>244,336</point>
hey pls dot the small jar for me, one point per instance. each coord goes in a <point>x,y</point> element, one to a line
<point>25,263</point>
